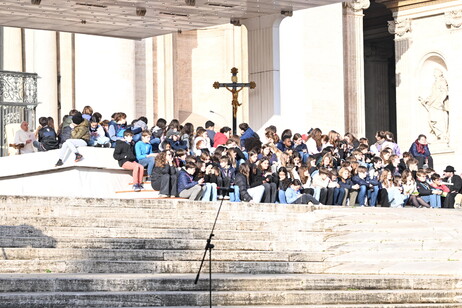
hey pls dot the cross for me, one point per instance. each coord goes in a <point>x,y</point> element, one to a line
<point>233,88</point>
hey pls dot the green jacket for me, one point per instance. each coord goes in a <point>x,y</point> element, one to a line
<point>81,131</point>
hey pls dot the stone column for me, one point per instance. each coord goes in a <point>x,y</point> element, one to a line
<point>353,38</point>
<point>401,29</point>
<point>45,65</point>
<point>264,68</point>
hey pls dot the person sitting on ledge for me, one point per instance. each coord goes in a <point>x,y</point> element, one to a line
<point>47,139</point>
<point>419,149</point>
<point>125,155</point>
<point>80,136</point>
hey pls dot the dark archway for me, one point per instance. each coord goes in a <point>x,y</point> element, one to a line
<point>379,71</point>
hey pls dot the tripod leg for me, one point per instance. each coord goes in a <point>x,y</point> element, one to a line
<point>210,276</point>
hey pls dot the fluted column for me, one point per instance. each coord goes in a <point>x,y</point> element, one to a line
<point>354,66</point>
<point>264,68</point>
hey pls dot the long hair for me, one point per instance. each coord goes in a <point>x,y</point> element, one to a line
<point>244,169</point>
<point>316,135</point>
<point>161,159</point>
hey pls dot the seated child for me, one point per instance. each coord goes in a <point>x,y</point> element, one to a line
<point>98,135</point>
<point>125,155</point>
<point>293,195</point>
<point>187,187</point>
<point>367,189</point>
<point>428,194</point>
<point>143,151</point>
<point>47,139</point>
<point>164,175</point>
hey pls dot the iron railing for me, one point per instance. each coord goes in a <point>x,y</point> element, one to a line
<point>18,101</point>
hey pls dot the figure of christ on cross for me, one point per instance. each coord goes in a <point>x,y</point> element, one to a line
<point>233,88</point>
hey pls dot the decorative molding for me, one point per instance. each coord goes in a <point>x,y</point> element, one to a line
<point>358,6</point>
<point>453,19</point>
<point>399,27</point>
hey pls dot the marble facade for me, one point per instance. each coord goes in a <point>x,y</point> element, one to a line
<point>322,67</point>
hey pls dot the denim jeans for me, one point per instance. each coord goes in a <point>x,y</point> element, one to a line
<point>339,194</point>
<point>372,196</point>
<point>362,195</point>
<point>434,200</point>
<point>210,192</point>
<point>235,196</point>
<point>147,162</point>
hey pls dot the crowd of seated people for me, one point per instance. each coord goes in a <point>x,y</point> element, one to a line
<point>204,164</point>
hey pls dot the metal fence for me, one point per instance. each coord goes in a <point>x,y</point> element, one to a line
<point>18,101</point>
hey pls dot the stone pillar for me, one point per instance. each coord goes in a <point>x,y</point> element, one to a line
<point>401,29</point>
<point>264,68</point>
<point>354,66</point>
<point>12,52</point>
<point>164,98</point>
<point>1,48</point>
<point>45,65</point>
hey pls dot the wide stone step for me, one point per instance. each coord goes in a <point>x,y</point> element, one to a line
<point>156,244</point>
<point>420,305</point>
<point>155,255</point>
<point>35,283</point>
<point>176,298</point>
<point>403,255</point>
<point>12,203</point>
<point>144,232</point>
<point>118,221</point>
<point>96,266</point>
<point>186,214</point>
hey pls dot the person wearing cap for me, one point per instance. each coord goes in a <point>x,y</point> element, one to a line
<point>80,137</point>
<point>454,182</point>
<point>173,139</point>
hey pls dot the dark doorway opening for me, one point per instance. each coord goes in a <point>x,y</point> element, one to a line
<point>379,71</point>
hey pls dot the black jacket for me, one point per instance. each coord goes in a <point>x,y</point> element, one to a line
<point>158,172</point>
<point>47,136</point>
<point>241,181</point>
<point>456,183</point>
<point>124,152</point>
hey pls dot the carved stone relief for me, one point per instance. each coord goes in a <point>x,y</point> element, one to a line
<point>399,27</point>
<point>453,19</point>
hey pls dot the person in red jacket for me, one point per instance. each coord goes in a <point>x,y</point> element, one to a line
<point>222,136</point>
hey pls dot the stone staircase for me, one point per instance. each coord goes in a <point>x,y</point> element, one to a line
<point>77,252</point>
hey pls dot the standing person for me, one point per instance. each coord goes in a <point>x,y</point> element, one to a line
<point>164,177</point>
<point>80,136</point>
<point>25,138</point>
<point>125,155</point>
<point>210,127</point>
<point>454,183</point>
<point>47,139</point>
<point>143,151</point>
<point>419,149</point>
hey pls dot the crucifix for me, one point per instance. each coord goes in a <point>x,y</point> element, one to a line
<point>233,88</point>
